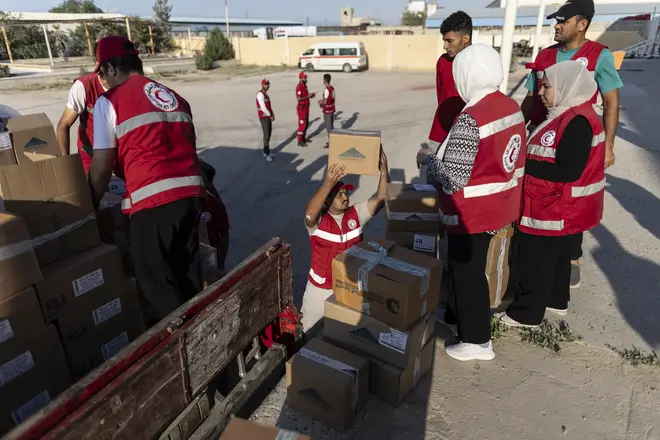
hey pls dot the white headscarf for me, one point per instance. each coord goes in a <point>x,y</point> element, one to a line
<point>573,85</point>
<point>477,72</point>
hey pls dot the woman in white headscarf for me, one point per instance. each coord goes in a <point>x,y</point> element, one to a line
<point>563,193</point>
<point>479,168</point>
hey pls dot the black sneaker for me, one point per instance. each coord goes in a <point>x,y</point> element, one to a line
<point>308,141</point>
<point>326,146</point>
<point>576,275</point>
<point>302,144</point>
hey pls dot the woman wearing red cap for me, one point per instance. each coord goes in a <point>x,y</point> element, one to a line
<point>334,225</point>
<point>266,116</point>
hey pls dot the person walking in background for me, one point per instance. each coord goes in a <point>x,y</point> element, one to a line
<point>480,168</point>
<point>564,192</point>
<point>328,106</point>
<point>573,21</point>
<point>266,116</point>
<point>147,130</point>
<point>303,96</point>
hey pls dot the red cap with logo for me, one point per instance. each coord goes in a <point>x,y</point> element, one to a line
<point>265,82</point>
<point>113,46</point>
<point>341,185</point>
<point>303,75</point>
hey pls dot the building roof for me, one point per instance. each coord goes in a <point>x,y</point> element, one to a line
<point>53,17</point>
<point>232,21</point>
<point>493,15</point>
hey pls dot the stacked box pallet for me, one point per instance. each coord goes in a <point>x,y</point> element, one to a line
<point>412,217</point>
<point>66,304</point>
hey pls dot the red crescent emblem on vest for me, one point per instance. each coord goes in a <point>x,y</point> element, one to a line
<point>157,95</point>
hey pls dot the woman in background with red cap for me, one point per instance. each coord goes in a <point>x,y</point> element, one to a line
<point>334,225</point>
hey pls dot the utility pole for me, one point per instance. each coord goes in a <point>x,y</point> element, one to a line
<point>507,41</point>
<point>226,19</point>
<point>539,29</point>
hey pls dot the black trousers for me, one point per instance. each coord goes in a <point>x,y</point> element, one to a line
<point>267,128</point>
<point>469,299</point>
<point>544,276</point>
<point>165,247</point>
<point>576,246</point>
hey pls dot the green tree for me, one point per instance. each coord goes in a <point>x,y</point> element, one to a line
<point>413,18</point>
<point>27,41</point>
<point>217,46</point>
<point>77,7</point>
<point>162,11</point>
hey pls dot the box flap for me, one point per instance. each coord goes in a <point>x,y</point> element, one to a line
<point>33,138</point>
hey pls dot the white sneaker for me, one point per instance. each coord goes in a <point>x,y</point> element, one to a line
<point>471,352</point>
<point>269,157</point>
<point>560,312</point>
<point>510,322</point>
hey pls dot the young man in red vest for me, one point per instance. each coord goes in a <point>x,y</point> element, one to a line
<point>147,129</point>
<point>328,106</point>
<point>334,225</point>
<point>303,96</point>
<point>82,96</point>
<point>457,35</point>
<point>480,168</point>
<point>266,116</point>
<point>573,20</point>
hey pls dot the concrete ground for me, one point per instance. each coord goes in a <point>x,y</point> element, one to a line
<point>527,393</point>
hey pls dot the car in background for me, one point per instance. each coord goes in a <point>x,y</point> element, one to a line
<point>342,56</point>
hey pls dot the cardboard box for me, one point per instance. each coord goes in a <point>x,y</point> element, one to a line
<point>32,373</point>
<point>426,243</point>
<point>498,251</point>
<point>358,151</point>
<point>19,268</point>
<point>53,198</point>
<point>340,393</point>
<point>79,281</point>
<point>412,208</point>
<point>20,316</point>
<point>391,384</point>
<point>239,429</point>
<point>398,291</point>
<point>360,333</point>
<point>32,136</point>
<point>497,285</point>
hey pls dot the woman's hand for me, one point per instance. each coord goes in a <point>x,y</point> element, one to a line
<point>422,155</point>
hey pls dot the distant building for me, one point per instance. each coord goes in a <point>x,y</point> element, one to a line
<point>348,19</point>
<point>428,7</point>
<point>238,27</point>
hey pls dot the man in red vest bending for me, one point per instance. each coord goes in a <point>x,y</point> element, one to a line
<point>148,130</point>
<point>302,110</point>
<point>573,20</point>
<point>82,96</point>
<point>334,225</point>
<point>328,107</point>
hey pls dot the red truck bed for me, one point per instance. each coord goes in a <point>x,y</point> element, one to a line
<point>141,391</point>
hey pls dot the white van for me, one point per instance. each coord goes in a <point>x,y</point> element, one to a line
<point>343,56</point>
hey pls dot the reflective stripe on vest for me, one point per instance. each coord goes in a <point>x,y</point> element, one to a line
<point>547,225</point>
<point>338,238</point>
<point>589,190</point>
<point>488,189</point>
<point>150,118</point>
<point>549,152</point>
<point>500,125</point>
<point>316,278</point>
<point>159,187</point>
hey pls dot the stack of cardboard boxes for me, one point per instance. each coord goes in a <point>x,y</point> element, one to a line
<point>378,329</point>
<point>66,304</point>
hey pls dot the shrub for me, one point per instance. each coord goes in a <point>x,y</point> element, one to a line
<point>217,47</point>
<point>203,61</point>
<point>4,72</point>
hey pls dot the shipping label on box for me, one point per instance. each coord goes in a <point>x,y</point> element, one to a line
<point>30,407</point>
<point>391,284</point>
<point>343,390</point>
<point>423,242</point>
<point>358,151</point>
<point>412,208</point>
<point>355,331</point>
<point>15,367</point>
<point>20,316</point>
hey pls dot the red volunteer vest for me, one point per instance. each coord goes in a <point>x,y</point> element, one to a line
<point>261,114</point>
<point>450,103</point>
<point>551,208</point>
<point>155,144</point>
<point>302,91</point>
<point>93,89</point>
<point>328,241</point>
<point>492,198</point>
<point>329,106</point>
<point>587,55</point>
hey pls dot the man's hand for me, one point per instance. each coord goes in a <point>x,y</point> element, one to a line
<point>335,174</point>
<point>383,160</point>
<point>272,117</point>
<point>422,155</point>
<point>610,158</point>
<point>312,96</point>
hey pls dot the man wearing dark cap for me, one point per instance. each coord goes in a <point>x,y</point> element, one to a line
<point>334,225</point>
<point>147,129</point>
<point>573,20</point>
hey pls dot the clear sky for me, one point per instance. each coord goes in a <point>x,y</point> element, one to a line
<point>318,11</point>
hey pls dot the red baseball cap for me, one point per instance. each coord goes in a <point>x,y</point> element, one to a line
<point>341,185</point>
<point>303,75</point>
<point>265,81</point>
<point>113,46</point>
